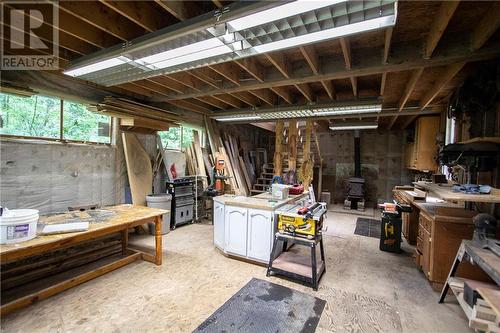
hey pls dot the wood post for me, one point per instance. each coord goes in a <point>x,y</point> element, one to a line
<point>278,149</point>
<point>307,163</point>
<point>292,145</point>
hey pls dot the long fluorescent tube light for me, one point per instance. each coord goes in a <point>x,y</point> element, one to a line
<point>345,110</point>
<point>237,118</point>
<point>346,127</point>
<point>96,66</point>
<point>279,12</point>
<point>344,30</point>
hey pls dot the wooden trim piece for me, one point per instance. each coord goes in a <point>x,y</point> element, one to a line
<point>439,25</point>
<point>64,285</point>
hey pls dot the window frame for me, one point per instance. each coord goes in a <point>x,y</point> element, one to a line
<point>61,138</point>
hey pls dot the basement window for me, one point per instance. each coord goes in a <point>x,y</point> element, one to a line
<point>49,118</point>
<point>177,138</point>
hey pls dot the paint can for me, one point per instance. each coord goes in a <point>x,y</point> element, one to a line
<point>18,225</point>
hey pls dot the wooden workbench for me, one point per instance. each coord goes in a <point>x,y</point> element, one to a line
<point>444,192</point>
<point>120,220</point>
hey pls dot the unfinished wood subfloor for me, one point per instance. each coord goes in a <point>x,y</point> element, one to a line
<point>366,290</point>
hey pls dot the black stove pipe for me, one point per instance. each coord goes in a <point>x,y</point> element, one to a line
<point>357,155</point>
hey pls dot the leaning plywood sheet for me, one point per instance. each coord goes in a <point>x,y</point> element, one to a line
<point>175,162</point>
<point>140,172</point>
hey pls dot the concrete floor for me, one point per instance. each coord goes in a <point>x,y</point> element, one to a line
<point>366,290</point>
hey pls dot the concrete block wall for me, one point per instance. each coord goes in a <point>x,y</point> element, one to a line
<point>381,162</point>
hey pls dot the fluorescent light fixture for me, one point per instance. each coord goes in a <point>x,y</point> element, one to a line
<point>204,54</point>
<point>349,29</point>
<point>345,110</point>
<point>96,66</point>
<point>279,12</point>
<point>237,118</point>
<point>352,126</point>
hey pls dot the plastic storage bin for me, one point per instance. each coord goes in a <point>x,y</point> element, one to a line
<point>160,201</point>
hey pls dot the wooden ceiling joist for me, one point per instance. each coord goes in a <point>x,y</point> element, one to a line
<point>279,61</point>
<point>153,86</point>
<point>141,13</point>
<point>228,70</point>
<point>311,56</point>
<point>187,105</point>
<point>247,98</point>
<point>285,93</point>
<point>102,18</point>
<point>230,100</point>
<point>329,88</point>
<point>369,64</point>
<point>137,89</point>
<point>354,85</point>
<point>443,17</point>
<point>169,83</point>
<point>213,101</point>
<point>449,72</point>
<point>187,80</point>
<point>382,83</point>
<point>487,26</point>
<point>410,86</point>
<point>180,9</point>
<point>208,76</point>
<point>387,44</point>
<point>265,95</point>
<point>253,68</point>
<point>346,51</point>
<point>305,89</point>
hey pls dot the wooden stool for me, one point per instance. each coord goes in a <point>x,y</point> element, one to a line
<point>297,267</point>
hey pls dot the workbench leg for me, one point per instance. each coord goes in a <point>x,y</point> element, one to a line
<point>158,239</point>
<point>446,286</point>
<point>124,241</point>
<point>314,267</point>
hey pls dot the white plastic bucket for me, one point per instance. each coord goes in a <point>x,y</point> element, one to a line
<point>18,225</point>
<point>160,201</point>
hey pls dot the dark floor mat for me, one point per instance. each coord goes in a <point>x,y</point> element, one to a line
<point>367,227</point>
<point>262,306</point>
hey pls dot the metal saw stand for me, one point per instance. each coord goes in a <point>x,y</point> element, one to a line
<point>297,267</point>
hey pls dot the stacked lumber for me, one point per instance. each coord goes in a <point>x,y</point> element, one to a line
<point>135,115</point>
<point>238,166</point>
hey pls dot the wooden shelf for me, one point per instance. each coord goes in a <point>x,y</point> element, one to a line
<point>457,286</point>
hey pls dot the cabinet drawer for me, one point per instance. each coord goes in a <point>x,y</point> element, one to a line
<point>426,223</point>
<point>420,244</point>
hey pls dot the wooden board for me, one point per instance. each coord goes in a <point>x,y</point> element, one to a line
<point>445,193</point>
<point>199,157</point>
<point>139,169</point>
<point>491,296</point>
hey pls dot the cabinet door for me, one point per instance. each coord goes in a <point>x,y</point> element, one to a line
<point>427,129</point>
<point>236,230</point>
<point>219,230</point>
<point>426,252</point>
<point>260,232</point>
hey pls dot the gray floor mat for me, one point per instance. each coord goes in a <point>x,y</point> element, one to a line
<point>262,306</point>
<point>367,227</point>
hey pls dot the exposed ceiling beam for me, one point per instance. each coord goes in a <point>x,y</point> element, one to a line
<point>311,56</point>
<point>186,105</point>
<point>141,13</point>
<point>213,101</point>
<point>229,71</point>
<point>279,61</point>
<point>137,89</point>
<point>285,93</point>
<point>265,95</point>
<point>153,86</point>
<point>253,68</point>
<point>410,86</point>
<point>208,76</point>
<point>346,51</point>
<point>217,3</point>
<point>382,83</point>
<point>354,84</point>
<point>102,18</point>
<point>369,64</point>
<point>487,26</point>
<point>187,80</point>
<point>408,121</point>
<point>387,45</point>
<point>329,88</point>
<point>448,74</point>
<point>305,90</point>
<point>228,99</point>
<point>439,25</point>
<point>247,98</point>
<point>169,83</point>
<point>181,10</point>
